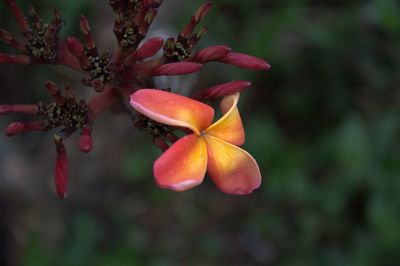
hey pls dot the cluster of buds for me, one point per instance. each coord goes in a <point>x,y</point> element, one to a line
<point>113,75</point>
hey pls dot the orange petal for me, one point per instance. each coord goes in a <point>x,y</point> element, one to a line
<point>229,127</point>
<point>172,109</point>
<point>233,170</point>
<point>183,165</point>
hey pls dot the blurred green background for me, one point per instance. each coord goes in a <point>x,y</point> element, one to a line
<point>323,124</point>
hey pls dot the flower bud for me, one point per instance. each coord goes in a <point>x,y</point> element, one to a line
<point>75,47</point>
<point>202,11</point>
<point>19,16</point>
<point>30,109</point>
<point>14,59</point>
<point>20,127</point>
<point>85,141</point>
<point>161,144</point>
<point>148,49</point>
<point>196,18</point>
<point>171,137</point>
<point>85,29</point>
<point>211,53</point>
<point>61,170</point>
<point>6,37</point>
<point>245,61</point>
<point>178,68</point>
<point>222,90</point>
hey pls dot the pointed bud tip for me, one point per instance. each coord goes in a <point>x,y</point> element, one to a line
<point>245,61</point>
<point>5,36</point>
<point>84,25</point>
<point>14,128</point>
<point>202,11</point>
<point>85,141</point>
<point>4,109</point>
<point>49,83</point>
<point>62,194</point>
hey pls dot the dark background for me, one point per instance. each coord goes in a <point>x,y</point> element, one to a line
<point>323,124</point>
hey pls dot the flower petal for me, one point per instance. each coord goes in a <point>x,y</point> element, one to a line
<point>233,170</point>
<point>183,165</point>
<point>172,109</point>
<point>229,127</point>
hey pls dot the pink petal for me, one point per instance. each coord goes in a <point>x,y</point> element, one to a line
<point>183,165</point>
<point>229,127</point>
<point>233,170</point>
<point>172,109</point>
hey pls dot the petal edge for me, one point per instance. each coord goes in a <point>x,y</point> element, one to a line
<point>183,165</point>
<point>233,170</point>
<point>172,109</point>
<point>229,127</point>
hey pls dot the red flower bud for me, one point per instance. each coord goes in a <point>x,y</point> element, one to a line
<point>202,11</point>
<point>222,90</point>
<point>211,53</point>
<point>75,47</point>
<point>53,90</point>
<point>245,61</point>
<point>20,127</point>
<point>85,29</point>
<point>61,171</point>
<point>161,144</point>
<point>19,16</point>
<point>85,141</point>
<point>171,137</point>
<point>178,68</point>
<point>6,37</point>
<point>30,109</point>
<point>14,59</point>
<point>148,49</point>
<point>196,18</point>
<point>66,58</point>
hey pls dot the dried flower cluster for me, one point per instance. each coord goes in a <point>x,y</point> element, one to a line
<point>116,76</point>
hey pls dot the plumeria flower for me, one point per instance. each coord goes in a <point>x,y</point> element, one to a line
<point>212,147</point>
